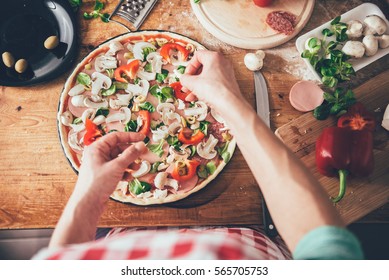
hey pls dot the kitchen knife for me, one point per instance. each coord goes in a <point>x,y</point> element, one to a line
<point>263,111</point>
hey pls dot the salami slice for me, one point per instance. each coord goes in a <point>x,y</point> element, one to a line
<point>281,21</point>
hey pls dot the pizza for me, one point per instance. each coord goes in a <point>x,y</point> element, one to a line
<point>132,83</point>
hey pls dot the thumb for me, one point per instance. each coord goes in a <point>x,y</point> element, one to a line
<point>128,156</point>
<point>188,81</point>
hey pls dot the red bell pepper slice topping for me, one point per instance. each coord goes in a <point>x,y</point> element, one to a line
<point>92,132</point>
<point>165,51</point>
<point>177,87</point>
<point>146,119</point>
<point>129,70</point>
<point>185,136</point>
<point>185,170</point>
<point>357,118</point>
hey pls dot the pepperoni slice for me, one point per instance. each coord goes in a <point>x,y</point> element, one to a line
<point>305,96</point>
<point>281,21</point>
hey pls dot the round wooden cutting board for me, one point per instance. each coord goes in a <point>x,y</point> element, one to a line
<point>242,24</point>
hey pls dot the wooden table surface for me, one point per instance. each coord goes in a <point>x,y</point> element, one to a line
<point>36,180</point>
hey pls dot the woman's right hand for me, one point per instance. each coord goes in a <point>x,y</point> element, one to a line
<point>210,76</point>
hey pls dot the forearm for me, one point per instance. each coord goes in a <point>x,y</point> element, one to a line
<point>78,222</point>
<point>296,200</point>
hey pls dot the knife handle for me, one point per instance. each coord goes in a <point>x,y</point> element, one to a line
<point>270,228</point>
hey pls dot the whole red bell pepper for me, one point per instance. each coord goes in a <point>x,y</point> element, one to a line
<point>341,151</point>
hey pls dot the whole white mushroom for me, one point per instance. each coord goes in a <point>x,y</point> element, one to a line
<point>383,41</point>
<point>374,25</point>
<point>254,61</point>
<point>354,29</point>
<point>371,45</point>
<point>354,49</point>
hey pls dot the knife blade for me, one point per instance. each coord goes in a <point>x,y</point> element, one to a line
<point>263,111</point>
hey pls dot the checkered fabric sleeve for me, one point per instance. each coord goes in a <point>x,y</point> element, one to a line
<point>174,243</point>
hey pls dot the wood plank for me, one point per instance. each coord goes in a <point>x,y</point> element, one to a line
<point>36,180</point>
<point>363,194</point>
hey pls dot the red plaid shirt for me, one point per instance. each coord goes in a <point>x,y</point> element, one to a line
<point>174,243</point>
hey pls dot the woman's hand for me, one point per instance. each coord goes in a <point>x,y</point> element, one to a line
<point>104,163</point>
<point>211,78</point>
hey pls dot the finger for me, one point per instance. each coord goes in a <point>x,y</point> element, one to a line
<point>194,64</point>
<point>128,156</point>
<point>191,97</point>
<point>188,81</point>
<point>108,142</point>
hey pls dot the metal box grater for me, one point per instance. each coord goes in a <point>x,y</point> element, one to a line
<point>134,11</point>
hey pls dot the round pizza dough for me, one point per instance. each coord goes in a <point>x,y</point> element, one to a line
<point>74,157</point>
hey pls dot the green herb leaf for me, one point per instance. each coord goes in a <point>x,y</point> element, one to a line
<point>148,68</point>
<point>84,79</point>
<point>104,17</point>
<point>102,112</point>
<point>154,167</point>
<point>77,121</point>
<point>202,171</point>
<point>322,112</point>
<point>335,20</point>
<point>204,127</point>
<point>147,106</point>
<point>120,85</point>
<point>160,77</point>
<point>110,91</point>
<point>131,126</point>
<point>173,141</point>
<point>167,92</point>
<point>211,166</point>
<point>181,69</point>
<point>157,148</point>
<point>137,187</point>
<point>98,6</point>
<point>146,51</point>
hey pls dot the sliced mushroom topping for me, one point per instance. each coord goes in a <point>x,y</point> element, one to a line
<point>163,108</point>
<point>145,195</point>
<point>90,104</point>
<point>180,155</point>
<point>142,88</point>
<point>78,127</point>
<point>161,180</point>
<point>199,111</point>
<point>162,166</point>
<point>122,100</point>
<point>123,187</point>
<point>160,194</point>
<point>88,114</point>
<point>169,117</point>
<point>194,126</point>
<point>99,120</point>
<point>174,128</point>
<point>66,118</point>
<point>99,82</point>
<point>148,76</point>
<point>76,90</point>
<point>144,168</point>
<point>181,104</point>
<point>73,141</point>
<point>207,150</point>
<point>114,47</point>
<point>139,123</point>
<point>156,62</point>
<point>138,49</point>
<point>160,133</point>
<point>105,62</point>
<point>78,101</point>
<point>124,116</point>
